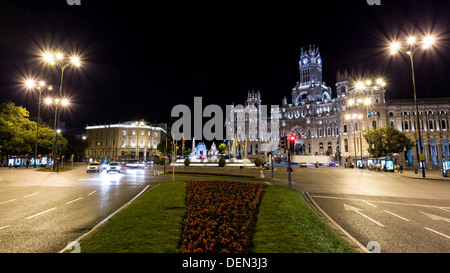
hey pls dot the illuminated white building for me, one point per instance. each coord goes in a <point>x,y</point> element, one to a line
<point>128,140</point>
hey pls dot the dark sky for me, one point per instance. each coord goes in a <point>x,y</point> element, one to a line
<point>140,59</point>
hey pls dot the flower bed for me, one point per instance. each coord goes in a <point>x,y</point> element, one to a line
<point>221,216</point>
<point>211,173</point>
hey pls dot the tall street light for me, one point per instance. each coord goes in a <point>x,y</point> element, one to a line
<point>411,47</point>
<point>62,61</point>
<point>57,102</point>
<point>31,84</point>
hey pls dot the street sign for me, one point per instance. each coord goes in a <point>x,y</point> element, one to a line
<point>421,156</point>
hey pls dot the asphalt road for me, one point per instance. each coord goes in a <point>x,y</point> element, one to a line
<point>397,212</point>
<point>41,212</point>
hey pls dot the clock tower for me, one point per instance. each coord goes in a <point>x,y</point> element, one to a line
<point>310,66</point>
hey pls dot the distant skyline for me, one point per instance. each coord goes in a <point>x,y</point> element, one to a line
<point>139,61</point>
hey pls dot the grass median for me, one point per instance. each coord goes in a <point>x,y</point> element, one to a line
<point>287,224</point>
<point>153,223</point>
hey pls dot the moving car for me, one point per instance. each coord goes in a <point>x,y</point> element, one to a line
<point>93,167</point>
<point>113,167</point>
<point>303,165</point>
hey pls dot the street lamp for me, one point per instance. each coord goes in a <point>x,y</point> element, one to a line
<point>60,60</point>
<point>411,47</point>
<point>31,84</point>
<point>57,102</point>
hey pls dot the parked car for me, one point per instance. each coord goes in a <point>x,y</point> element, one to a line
<point>94,167</point>
<point>303,165</point>
<point>113,167</point>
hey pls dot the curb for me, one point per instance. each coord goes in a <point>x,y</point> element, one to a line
<point>76,243</point>
<point>357,246</point>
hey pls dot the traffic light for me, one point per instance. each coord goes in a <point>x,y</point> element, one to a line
<point>283,143</point>
<point>292,141</point>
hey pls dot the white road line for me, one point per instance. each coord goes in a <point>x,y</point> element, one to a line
<point>262,173</point>
<point>446,236</point>
<point>445,209</point>
<point>74,200</point>
<point>32,216</point>
<point>383,202</point>
<point>5,226</point>
<point>92,192</point>
<point>369,203</point>
<point>7,201</point>
<point>396,215</point>
<point>34,193</point>
<point>358,210</point>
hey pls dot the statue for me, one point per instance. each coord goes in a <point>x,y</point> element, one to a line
<point>213,152</point>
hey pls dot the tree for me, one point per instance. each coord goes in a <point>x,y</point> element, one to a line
<point>385,141</point>
<point>222,148</point>
<point>162,147</point>
<point>18,133</point>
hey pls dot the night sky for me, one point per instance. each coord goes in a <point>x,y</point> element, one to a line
<point>140,59</point>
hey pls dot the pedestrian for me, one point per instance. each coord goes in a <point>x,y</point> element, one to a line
<point>401,168</point>
<point>27,163</point>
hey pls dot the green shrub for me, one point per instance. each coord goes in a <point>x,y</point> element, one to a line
<point>187,162</point>
<point>258,162</point>
<point>222,162</point>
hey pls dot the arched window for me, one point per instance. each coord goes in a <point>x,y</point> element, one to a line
<point>430,125</point>
<point>345,128</point>
<point>392,124</point>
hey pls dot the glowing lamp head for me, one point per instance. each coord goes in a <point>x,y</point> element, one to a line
<point>30,83</point>
<point>292,138</point>
<point>411,40</point>
<point>428,41</point>
<point>48,57</point>
<point>360,85</point>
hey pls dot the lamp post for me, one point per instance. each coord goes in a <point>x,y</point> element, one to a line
<point>31,84</point>
<point>60,60</point>
<point>57,102</point>
<point>368,100</point>
<point>412,47</point>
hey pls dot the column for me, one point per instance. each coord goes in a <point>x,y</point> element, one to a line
<point>439,152</point>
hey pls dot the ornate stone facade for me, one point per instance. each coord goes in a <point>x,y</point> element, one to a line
<point>324,125</point>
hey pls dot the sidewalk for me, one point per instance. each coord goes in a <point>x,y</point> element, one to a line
<point>410,172</point>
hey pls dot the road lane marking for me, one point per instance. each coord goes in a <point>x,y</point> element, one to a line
<point>74,200</point>
<point>383,202</point>
<point>396,215</point>
<point>7,201</point>
<point>358,210</point>
<point>262,173</point>
<point>32,216</point>
<point>437,232</point>
<point>92,192</point>
<point>34,193</point>
<point>369,203</point>
<point>444,209</point>
<point>436,217</point>
<point>5,226</point>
